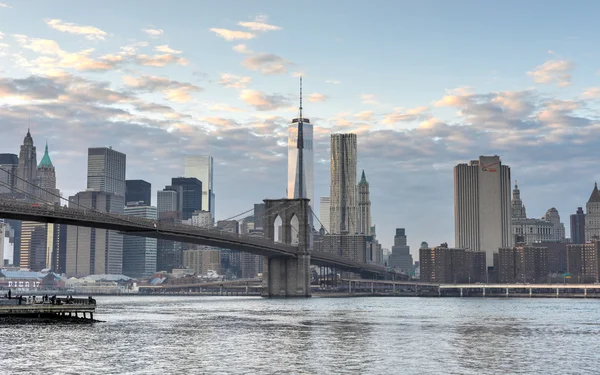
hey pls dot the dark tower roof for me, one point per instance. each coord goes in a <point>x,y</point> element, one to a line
<point>595,197</point>
<point>9,159</point>
<point>28,140</point>
<point>363,178</point>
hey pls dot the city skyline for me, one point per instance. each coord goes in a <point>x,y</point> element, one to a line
<point>158,108</point>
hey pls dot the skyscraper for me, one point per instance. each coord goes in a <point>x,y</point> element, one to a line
<point>139,253</point>
<point>482,206</point>
<point>27,168</point>
<point>201,167</point>
<point>343,183</point>
<point>8,172</point>
<point>325,213</point>
<point>518,208</point>
<point>46,179</point>
<point>138,191</point>
<point>400,257</point>
<point>39,242</point>
<point>553,217</point>
<point>106,171</point>
<point>364,206</point>
<point>305,149</point>
<point>578,227</point>
<point>94,250</point>
<point>592,216</point>
<point>191,195</point>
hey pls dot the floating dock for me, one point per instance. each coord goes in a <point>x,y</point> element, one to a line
<point>47,309</point>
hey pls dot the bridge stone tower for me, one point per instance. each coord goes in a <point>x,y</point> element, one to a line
<point>288,277</point>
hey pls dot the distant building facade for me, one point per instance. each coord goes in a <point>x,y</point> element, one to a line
<point>191,195</point>
<point>325,213</point>
<point>8,172</point>
<point>364,206</point>
<point>592,216</point>
<point>400,257</point>
<point>106,171</point>
<point>26,181</point>
<point>139,253</point>
<point>202,168</point>
<point>446,265</point>
<point>578,226</point>
<point>137,191</point>
<point>343,184</point>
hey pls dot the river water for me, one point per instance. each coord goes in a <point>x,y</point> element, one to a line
<point>231,335</point>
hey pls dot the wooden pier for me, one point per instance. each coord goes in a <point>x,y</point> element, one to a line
<point>47,309</point>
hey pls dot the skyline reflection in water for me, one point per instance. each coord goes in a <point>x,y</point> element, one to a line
<point>230,335</point>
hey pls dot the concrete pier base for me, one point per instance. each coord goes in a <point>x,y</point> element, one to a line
<point>287,277</point>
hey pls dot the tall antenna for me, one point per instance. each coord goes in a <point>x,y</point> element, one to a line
<point>299,192</point>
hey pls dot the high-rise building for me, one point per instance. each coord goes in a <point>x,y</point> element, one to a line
<point>578,226</point>
<point>94,250</point>
<point>294,148</point>
<point>364,206</point>
<point>558,228</point>
<point>39,242</point>
<point>231,226</point>
<point>325,213</point>
<point>27,168</point>
<point>169,199</point>
<point>482,206</point>
<point>2,235</point>
<point>522,264</point>
<point>400,257</point>
<point>592,216</point>
<point>46,179</point>
<point>139,253</point>
<point>8,172</point>
<point>582,262</point>
<point>202,260</point>
<point>191,200</point>
<point>202,219</point>
<point>201,167</point>
<point>343,183</point>
<point>169,253</point>
<point>106,171</point>
<point>528,231</point>
<point>137,191</point>
<point>259,216</point>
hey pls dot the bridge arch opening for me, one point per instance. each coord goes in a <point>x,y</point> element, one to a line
<point>295,226</point>
<point>278,232</point>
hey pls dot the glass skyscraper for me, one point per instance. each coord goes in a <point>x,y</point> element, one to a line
<point>201,167</point>
<point>308,157</point>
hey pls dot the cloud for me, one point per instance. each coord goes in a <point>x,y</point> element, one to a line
<point>266,63</point>
<point>233,81</point>
<point>4,5</point>
<point>259,25</point>
<point>333,81</point>
<point>90,32</point>
<point>232,34</point>
<point>173,90</point>
<point>365,116</point>
<point>591,93</point>
<point>553,71</point>
<point>316,97</point>
<point>153,32</point>
<point>409,115</point>
<point>166,49</point>
<point>263,102</point>
<point>242,48</point>
<point>368,99</point>
<point>1,35</point>
<point>222,107</point>
<point>53,57</point>
<point>159,60</point>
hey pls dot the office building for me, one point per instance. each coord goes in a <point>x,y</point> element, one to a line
<point>325,213</point>
<point>231,226</point>
<point>364,206</point>
<point>528,231</point>
<point>191,195</point>
<point>39,243</point>
<point>352,247</point>
<point>259,216</point>
<point>482,206</point>
<point>8,172</point>
<point>169,253</point>
<point>94,250</point>
<point>202,260</point>
<point>201,167</point>
<point>558,228</point>
<point>202,219</point>
<point>46,179</point>
<point>592,216</point>
<point>27,169</point>
<point>137,191</point>
<point>169,199</point>
<point>578,226</point>
<point>400,257</point>
<point>106,171</point>
<point>343,184</point>
<point>139,253</point>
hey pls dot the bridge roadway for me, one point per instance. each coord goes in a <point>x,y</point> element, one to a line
<point>18,210</point>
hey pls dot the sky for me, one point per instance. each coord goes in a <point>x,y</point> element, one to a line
<point>425,85</point>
